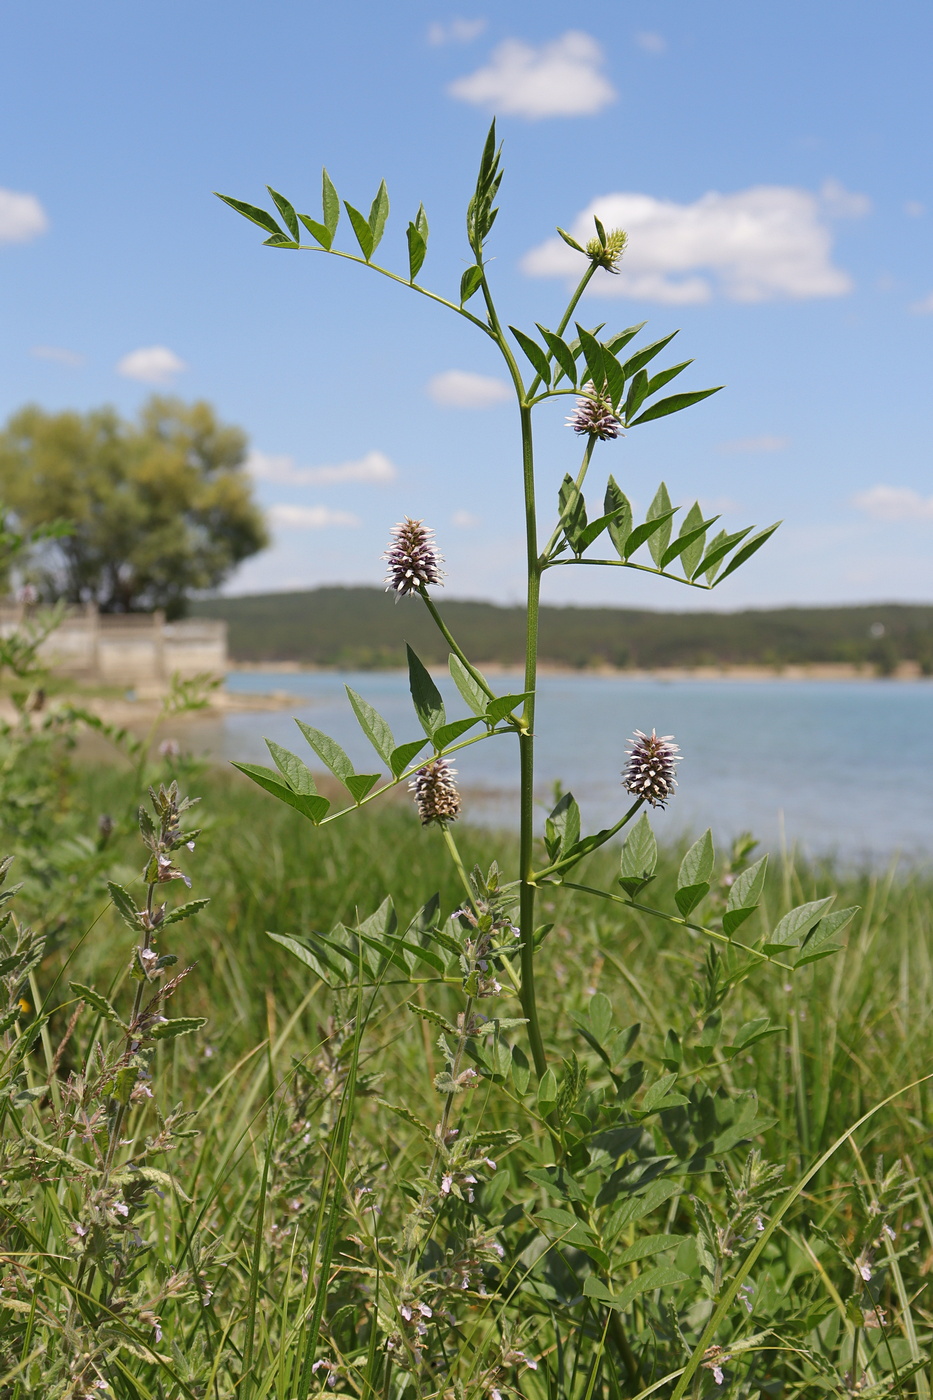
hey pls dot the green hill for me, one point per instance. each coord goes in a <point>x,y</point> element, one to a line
<point>364,628</point>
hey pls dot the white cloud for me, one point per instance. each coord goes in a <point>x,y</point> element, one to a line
<point>840,203</point>
<point>57,353</point>
<point>894,503</point>
<point>914,209</point>
<point>765,443</point>
<point>563,78</point>
<point>465,520</point>
<point>289,517</point>
<point>651,42</point>
<point>460,388</point>
<point>458,31</point>
<point>372,467</point>
<point>758,244</point>
<point>152,364</point>
<point>923,307</point>
<point>21,217</point>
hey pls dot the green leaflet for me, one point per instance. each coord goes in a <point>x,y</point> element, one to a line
<point>316,808</point>
<point>469,688</point>
<point>425,696</point>
<point>534,354</point>
<point>373,725</point>
<point>289,216</point>
<point>639,857</point>
<point>660,509</point>
<point>674,404</point>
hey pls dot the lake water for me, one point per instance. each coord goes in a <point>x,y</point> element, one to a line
<point>840,768</point>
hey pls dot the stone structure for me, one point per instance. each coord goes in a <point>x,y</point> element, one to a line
<point>129,649</point>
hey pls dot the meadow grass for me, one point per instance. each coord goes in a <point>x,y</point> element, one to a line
<point>267,1078</point>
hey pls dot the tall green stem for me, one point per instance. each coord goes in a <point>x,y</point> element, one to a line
<point>455,648</point>
<point>526,741</point>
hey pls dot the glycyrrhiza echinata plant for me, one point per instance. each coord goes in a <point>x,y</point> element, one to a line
<point>591,1222</point>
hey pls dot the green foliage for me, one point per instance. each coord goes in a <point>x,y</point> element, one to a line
<point>678,1236</point>
<point>156,509</point>
<point>616,1156</point>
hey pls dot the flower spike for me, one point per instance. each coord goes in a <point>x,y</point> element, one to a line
<point>413,559</point>
<point>435,793</point>
<point>651,767</point>
<point>595,417</point>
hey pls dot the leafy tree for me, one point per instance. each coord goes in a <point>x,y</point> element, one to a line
<point>158,509</point>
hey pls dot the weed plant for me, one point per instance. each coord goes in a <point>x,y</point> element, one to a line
<point>484,1116</point>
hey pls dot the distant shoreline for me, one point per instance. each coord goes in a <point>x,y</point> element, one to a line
<point>817,671</point>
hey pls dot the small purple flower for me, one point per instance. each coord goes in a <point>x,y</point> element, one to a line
<point>594,416</point>
<point>651,768</point>
<point>413,559</point>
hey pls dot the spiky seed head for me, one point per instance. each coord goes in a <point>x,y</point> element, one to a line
<point>650,770</point>
<point>435,792</point>
<point>608,254</point>
<point>413,559</point>
<point>594,416</point>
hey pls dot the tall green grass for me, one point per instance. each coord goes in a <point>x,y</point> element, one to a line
<point>288,1082</point>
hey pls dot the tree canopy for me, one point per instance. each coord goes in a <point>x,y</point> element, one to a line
<point>157,509</point>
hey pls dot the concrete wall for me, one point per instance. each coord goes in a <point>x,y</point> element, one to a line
<point>129,649</point>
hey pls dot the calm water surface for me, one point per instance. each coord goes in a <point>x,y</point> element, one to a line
<point>836,767</point>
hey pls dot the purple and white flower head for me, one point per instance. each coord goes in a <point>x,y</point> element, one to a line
<point>650,771</point>
<point>435,793</point>
<point>594,416</point>
<point>413,559</point>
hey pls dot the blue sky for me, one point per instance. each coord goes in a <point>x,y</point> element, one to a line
<point>771,163</point>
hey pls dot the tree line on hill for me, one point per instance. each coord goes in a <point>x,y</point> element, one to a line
<point>364,628</point>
